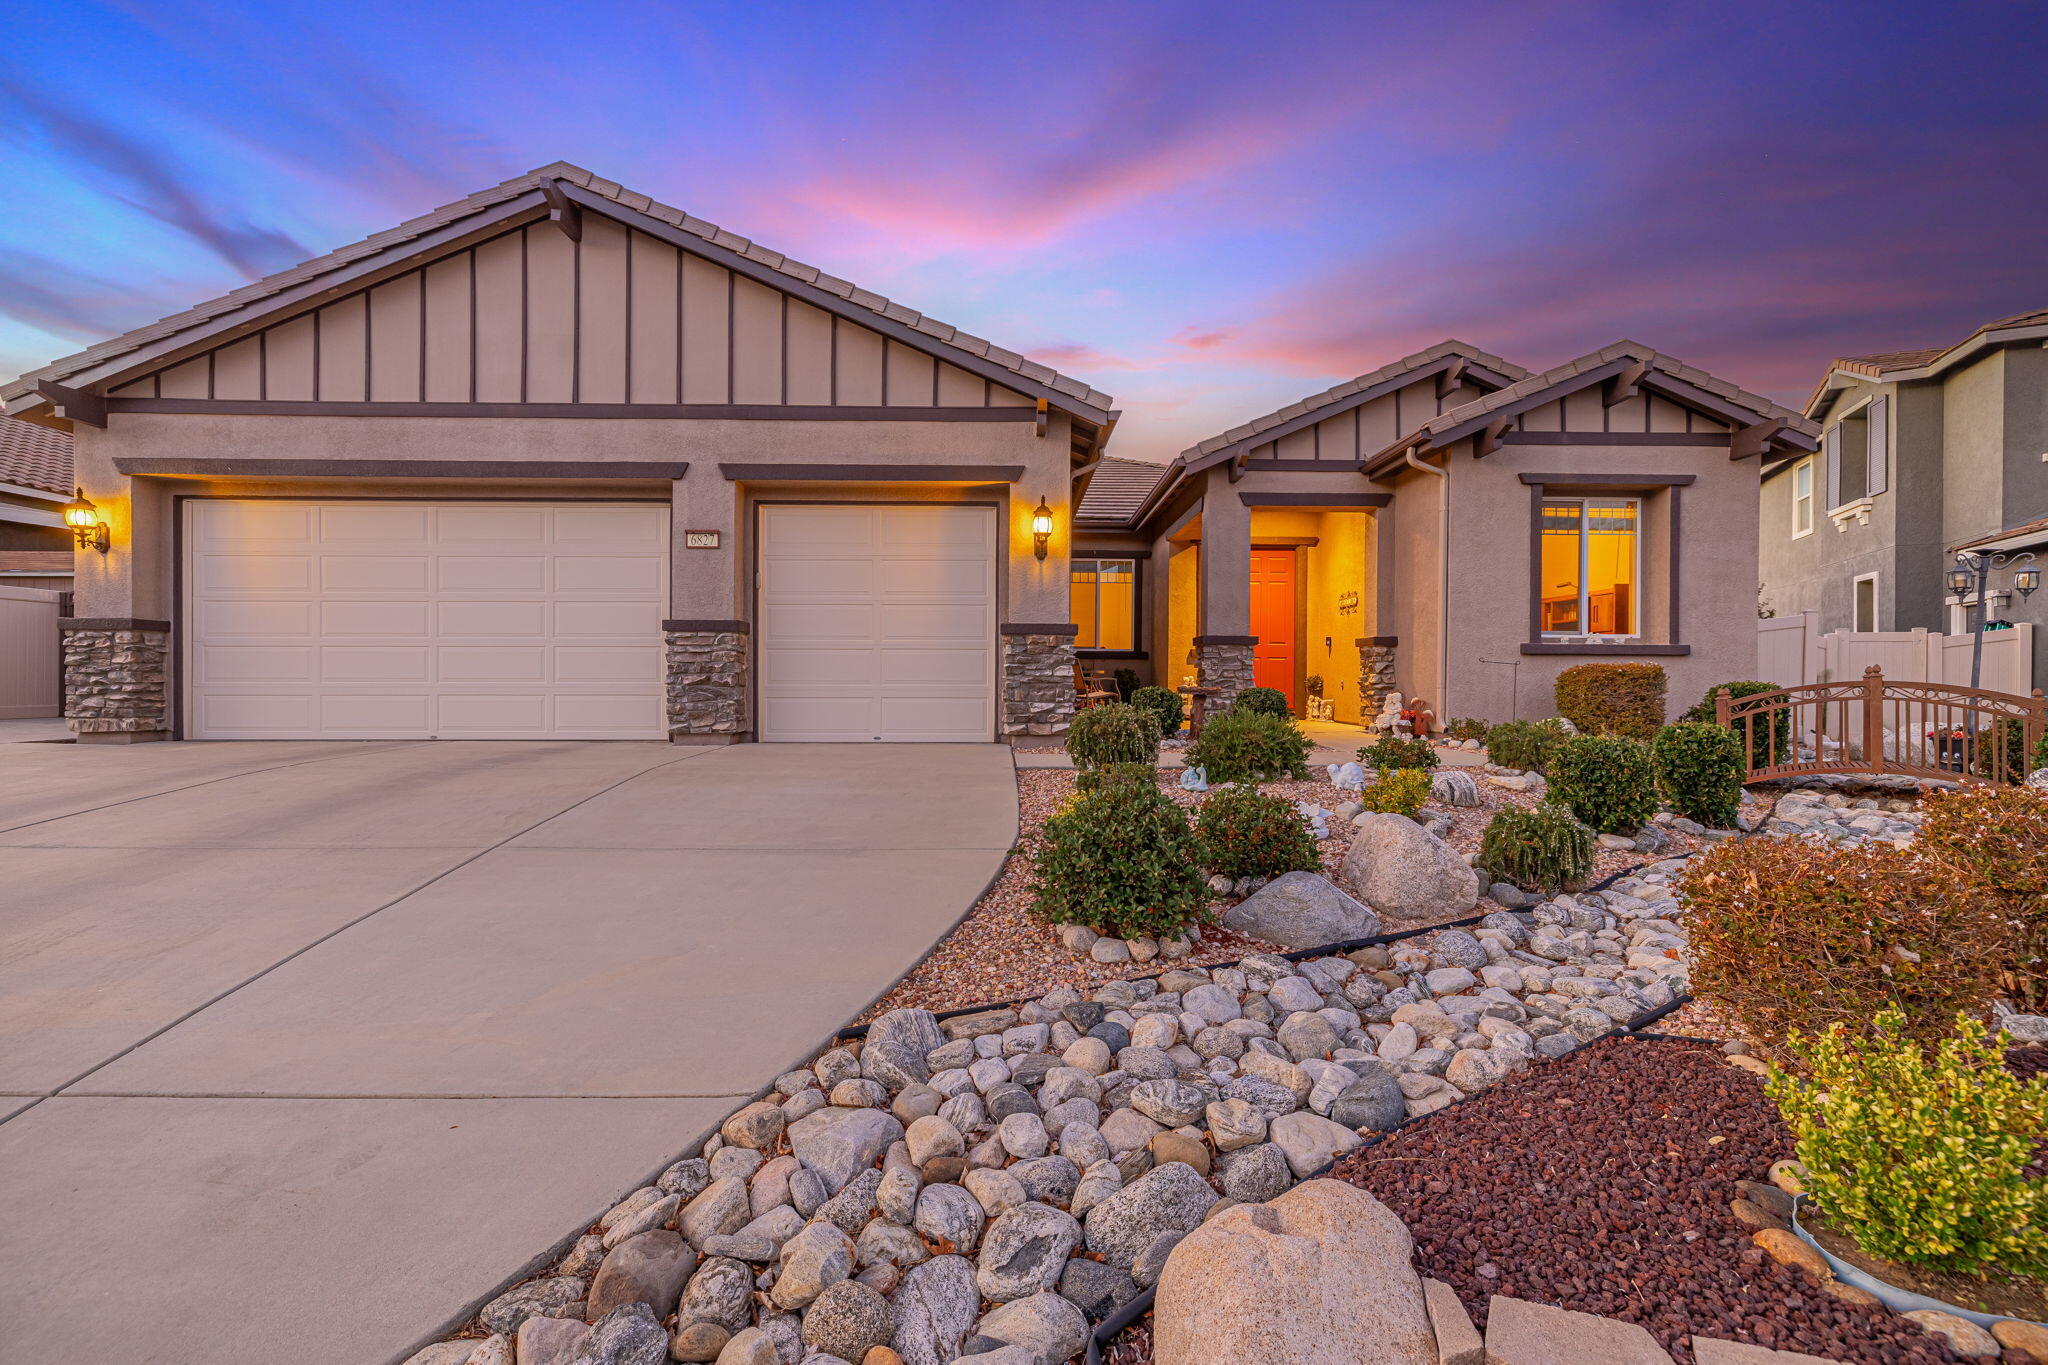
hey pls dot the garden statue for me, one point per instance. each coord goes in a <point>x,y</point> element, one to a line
<point>1421,720</point>
<point>1389,718</point>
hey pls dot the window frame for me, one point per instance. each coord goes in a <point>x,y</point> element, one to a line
<point>1586,501</point>
<point>1874,579</point>
<point>1136,562</point>
<point>1802,502</point>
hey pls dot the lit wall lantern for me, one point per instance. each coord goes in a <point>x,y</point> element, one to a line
<point>86,527</point>
<point>2026,580</point>
<point>1041,528</point>
<point>1959,581</point>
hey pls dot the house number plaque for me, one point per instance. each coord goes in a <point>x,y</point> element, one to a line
<point>700,540</point>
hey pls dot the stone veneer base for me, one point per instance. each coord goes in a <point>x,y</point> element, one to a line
<point>116,683</point>
<point>707,686</point>
<point>1226,667</point>
<point>1038,683</point>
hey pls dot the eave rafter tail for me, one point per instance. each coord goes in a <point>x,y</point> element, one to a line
<point>75,405</point>
<point>1625,385</point>
<point>1756,438</point>
<point>1488,439</point>
<point>1451,376</point>
<point>564,212</point>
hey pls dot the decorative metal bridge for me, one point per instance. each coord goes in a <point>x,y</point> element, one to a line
<point>1914,729</point>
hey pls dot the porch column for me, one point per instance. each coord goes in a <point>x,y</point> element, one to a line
<point>117,642</point>
<point>1376,656</point>
<point>1223,646</point>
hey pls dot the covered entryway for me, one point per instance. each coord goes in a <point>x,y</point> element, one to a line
<point>403,619</point>
<point>877,622</point>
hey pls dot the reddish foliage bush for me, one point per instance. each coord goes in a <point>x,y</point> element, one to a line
<point>1998,836</point>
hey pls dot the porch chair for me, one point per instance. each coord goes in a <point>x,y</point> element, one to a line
<point>1090,691</point>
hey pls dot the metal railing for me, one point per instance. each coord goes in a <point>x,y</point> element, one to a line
<point>1914,729</point>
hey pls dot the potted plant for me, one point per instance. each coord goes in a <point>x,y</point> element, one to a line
<point>1916,1166</point>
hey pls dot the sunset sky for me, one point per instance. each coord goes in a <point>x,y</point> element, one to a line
<point>1206,210</point>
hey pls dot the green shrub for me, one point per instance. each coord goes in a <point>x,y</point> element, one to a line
<point>1269,701</point>
<point>1699,770</point>
<point>2000,751</point>
<point>1546,849</point>
<point>1921,1157</point>
<point>1121,860</point>
<point>1164,704</point>
<point>1608,782</point>
<point>1467,727</point>
<point>1791,934</point>
<point>1526,744</point>
<point>1116,775</point>
<point>1245,833</point>
<point>1250,746</point>
<point>1398,751</point>
<point>1112,733</point>
<point>1772,730</point>
<point>1613,699</point>
<point>1126,682</point>
<point>1399,791</point>
<point>1997,837</point>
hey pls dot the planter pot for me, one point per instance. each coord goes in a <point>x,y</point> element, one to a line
<point>1892,1297</point>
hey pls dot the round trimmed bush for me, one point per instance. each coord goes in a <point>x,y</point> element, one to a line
<point>1245,833</point>
<point>1544,850</point>
<point>1699,770</point>
<point>1398,751</point>
<point>1121,860</point>
<point>1524,744</point>
<point>1610,783</point>
<point>1112,733</point>
<point>1613,699</point>
<point>1165,705</point>
<point>1250,746</point>
<point>1269,701</point>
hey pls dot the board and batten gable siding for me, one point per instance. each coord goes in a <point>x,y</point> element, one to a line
<point>1352,435</point>
<point>533,317</point>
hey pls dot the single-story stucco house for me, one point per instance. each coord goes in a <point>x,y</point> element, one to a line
<point>1450,526</point>
<point>560,461</point>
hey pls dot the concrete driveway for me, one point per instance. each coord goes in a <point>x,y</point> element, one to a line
<point>305,1047</point>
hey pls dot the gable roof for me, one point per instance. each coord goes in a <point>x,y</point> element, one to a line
<point>1117,490</point>
<point>578,185</point>
<point>35,457</point>
<point>1481,364</point>
<point>1887,367</point>
<point>1681,382</point>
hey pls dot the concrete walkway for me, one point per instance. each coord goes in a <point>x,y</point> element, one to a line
<point>306,1048</point>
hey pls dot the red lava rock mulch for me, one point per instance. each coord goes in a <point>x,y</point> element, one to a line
<point>1579,1184</point>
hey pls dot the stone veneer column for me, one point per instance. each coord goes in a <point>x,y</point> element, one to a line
<point>1038,678</point>
<point>116,684</point>
<point>707,681</point>
<point>1224,662</point>
<point>1375,674</point>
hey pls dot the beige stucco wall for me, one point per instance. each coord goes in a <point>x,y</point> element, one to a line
<point>136,577</point>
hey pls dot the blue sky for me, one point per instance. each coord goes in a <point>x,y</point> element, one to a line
<point>1207,210</point>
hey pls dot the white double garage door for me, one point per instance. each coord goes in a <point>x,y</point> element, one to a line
<point>393,619</point>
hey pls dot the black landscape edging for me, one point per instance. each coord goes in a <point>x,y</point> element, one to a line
<point>1108,1329</point>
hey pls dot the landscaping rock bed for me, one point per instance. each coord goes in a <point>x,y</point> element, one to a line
<point>1603,1184</point>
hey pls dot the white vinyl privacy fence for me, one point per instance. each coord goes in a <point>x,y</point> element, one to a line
<point>29,645</point>
<point>1791,651</point>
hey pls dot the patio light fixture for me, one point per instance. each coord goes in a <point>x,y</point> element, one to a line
<point>1970,581</point>
<point>1041,528</point>
<point>86,527</point>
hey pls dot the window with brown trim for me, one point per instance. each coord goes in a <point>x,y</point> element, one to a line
<point>1103,603</point>
<point>1590,566</point>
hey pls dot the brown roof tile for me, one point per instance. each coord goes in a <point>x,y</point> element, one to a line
<point>270,285</point>
<point>35,457</point>
<point>1116,490</point>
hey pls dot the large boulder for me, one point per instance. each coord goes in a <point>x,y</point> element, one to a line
<point>1406,871</point>
<point>1318,1276</point>
<point>1301,910</point>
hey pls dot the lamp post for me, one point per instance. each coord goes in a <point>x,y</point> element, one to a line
<point>1973,570</point>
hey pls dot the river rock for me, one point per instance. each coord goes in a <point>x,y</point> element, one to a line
<point>628,1335</point>
<point>1024,1252</point>
<point>816,1258</point>
<point>840,1143</point>
<point>649,1269</point>
<point>1301,910</point>
<point>935,1307</point>
<point>1169,1198</point>
<point>1318,1276</point>
<point>848,1320</point>
<point>536,1298</point>
<point>1046,1325</point>
<point>722,1291</point>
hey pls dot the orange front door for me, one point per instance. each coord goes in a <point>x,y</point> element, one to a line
<point>1273,620</point>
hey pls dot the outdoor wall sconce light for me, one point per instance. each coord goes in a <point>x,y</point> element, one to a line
<point>1959,581</point>
<point>86,527</point>
<point>2026,580</point>
<point>1041,528</point>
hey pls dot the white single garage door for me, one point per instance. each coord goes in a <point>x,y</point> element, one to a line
<point>425,620</point>
<point>877,623</point>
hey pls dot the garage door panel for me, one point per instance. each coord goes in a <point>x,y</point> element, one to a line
<point>373,573</point>
<point>253,573</point>
<point>414,620</point>
<point>491,663</point>
<point>380,618</point>
<point>877,623</point>
<point>258,663</point>
<point>393,522</point>
<point>483,573</point>
<point>375,663</point>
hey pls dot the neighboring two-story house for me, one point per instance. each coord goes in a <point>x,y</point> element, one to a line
<point>1923,453</point>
